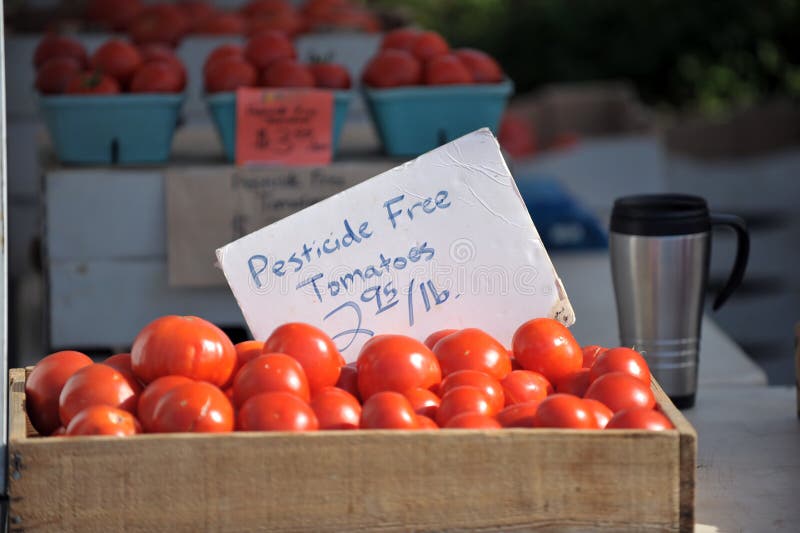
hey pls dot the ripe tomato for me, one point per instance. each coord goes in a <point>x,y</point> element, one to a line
<point>482,67</point>
<point>400,39</point>
<point>118,59</point>
<point>96,384</point>
<point>185,346</point>
<point>621,360</point>
<point>312,348</point>
<point>115,15</point>
<point>429,44</point>
<point>267,47</point>
<point>150,396</point>
<point>590,353</point>
<point>388,410</point>
<point>519,415</point>
<point>521,386</point>
<point>54,75</point>
<point>196,11</point>
<point>92,83</point>
<point>462,400</point>
<point>423,422</point>
<point>473,378</point>
<point>228,74</point>
<point>446,69</point>
<point>221,52</point>
<point>640,418</point>
<point>436,336</point>
<point>472,349</point>
<point>276,411</point>
<point>61,431</point>
<point>270,372</point>
<point>44,384</point>
<point>160,52</point>
<point>221,24</point>
<point>53,45</point>
<point>395,363</point>
<point>258,8</point>
<point>517,134</point>
<point>330,75</point>
<point>103,420</point>
<point>121,362</point>
<point>196,407</point>
<point>473,421</point>
<point>601,413</point>
<point>575,383</point>
<point>348,380</point>
<point>336,409</point>
<point>157,77</point>
<point>564,411</point>
<point>514,363</point>
<point>618,391</point>
<point>288,23</point>
<point>423,401</point>
<point>286,73</point>
<point>159,23</point>
<point>546,346</point>
<point>245,351</point>
<point>392,68</point>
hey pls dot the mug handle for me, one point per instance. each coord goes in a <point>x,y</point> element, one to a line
<point>742,253</point>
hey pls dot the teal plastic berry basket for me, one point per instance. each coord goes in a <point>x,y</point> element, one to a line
<point>414,120</point>
<point>222,107</point>
<point>126,129</point>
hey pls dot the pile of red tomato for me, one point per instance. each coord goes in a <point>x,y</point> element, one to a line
<point>268,59</point>
<point>184,375</point>
<point>414,57</point>
<point>64,67</point>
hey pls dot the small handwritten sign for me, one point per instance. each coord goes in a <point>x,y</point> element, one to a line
<point>443,241</point>
<point>290,127</point>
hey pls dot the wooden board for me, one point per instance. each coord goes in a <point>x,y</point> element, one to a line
<point>553,480</point>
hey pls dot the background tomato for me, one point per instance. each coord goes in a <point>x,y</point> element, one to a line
<point>103,420</point>
<point>114,15</point>
<point>336,409</point>
<point>157,77</point>
<point>400,39</point>
<point>590,353</point>
<point>44,384</point>
<point>481,66</point>
<point>546,346</point>
<point>53,45</point>
<point>564,411</point>
<point>472,349</point>
<point>92,83</point>
<point>472,378</point>
<point>228,74</point>
<point>473,421</point>
<point>392,68</point>
<point>196,407</point>
<point>640,418</point>
<point>575,383</point>
<point>423,401</point>
<point>276,411</point>
<point>287,73</point>
<point>619,391</point>
<point>267,47</point>
<point>388,410</point>
<point>271,372</point>
<point>519,415</point>
<point>96,384</point>
<point>621,360</point>
<point>117,59</point>
<point>221,52</point>
<point>462,400</point>
<point>395,363</point>
<point>160,52</point>
<point>436,336</point>
<point>429,44</point>
<point>150,396</point>
<point>601,413</point>
<point>312,348</point>
<point>521,386</point>
<point>159,23</point>
<point>446,69</point>
<point>330,75</point>
<point>54,75</point>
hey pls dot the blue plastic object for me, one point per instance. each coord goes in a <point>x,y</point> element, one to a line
<point>414,120</point>
<point>223,110</point>
<point>123,128</point>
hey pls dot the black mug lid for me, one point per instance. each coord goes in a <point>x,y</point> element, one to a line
<point>660,214</point>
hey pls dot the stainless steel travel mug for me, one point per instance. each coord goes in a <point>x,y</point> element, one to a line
<point>660,246</point>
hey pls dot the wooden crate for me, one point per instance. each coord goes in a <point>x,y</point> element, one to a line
<point>565,480</point>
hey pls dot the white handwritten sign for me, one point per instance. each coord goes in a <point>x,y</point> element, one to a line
<point>443,241</point>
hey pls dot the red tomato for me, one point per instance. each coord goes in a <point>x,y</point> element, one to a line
<point>228,74</point>
<point>159,23</point>
<point>267,47</point>
<point>117,59</point>
<point>601,413</point>
<point>392,68</point>
<point>640,418</point>
<point>564,411</point>
<point>446,69</point>
<point>185,346</point>
<point>472,349</point>
<point>429,44</point>
<point>257,8</point>
<point>103,420</point>
<point>122,363</point>
<point>245,351</point>
<point>61,431</point>
<point>514,363</point>
<point>436,336</point>
<point>590,353</point>
<point>473,421</point>
<point>196,407</point>
<point>270,372</point>
<point>395,363</point>
<point>619,391</point>
<point>482,67</point>
<point>221,52</point>
<point>519,415</point>
<point>348,380</point>
<point>196,11</point>
<point>54,75</point>
<point>157,77</point>
<point>115,15</point>
<point>423,422</point>
<point>423,401</point>
<point>621,360</point>
<point>388,410</point>
<point>546,346</point>
<point>575,383</point>
<point>159,52</point>
<point>462,400</point>
<point>44,384</point>
<point>288,23</point>
<point>221,24</point>
<point>330,75</point>
<point>524,386</point>
<point>150,396</point>
<point>336,409</point>
<point>312,348</point>
<point>96,384</point>
<point>92,83</point>
<point>276,411</point>
<point>286,73</point>
<point>400,39</point>
<point>53,45</point>
<point>473,378</point>
<point>517,135</point>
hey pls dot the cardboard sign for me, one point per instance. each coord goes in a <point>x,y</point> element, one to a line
<point>444,241</point>
<point>290,127</point>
